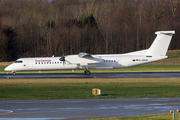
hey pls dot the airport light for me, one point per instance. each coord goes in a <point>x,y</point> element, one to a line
<point>173,115</point>
<point>171,111</point>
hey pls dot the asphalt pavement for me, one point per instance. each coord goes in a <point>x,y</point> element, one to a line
<point>96,75</point>
<point>73,109</point>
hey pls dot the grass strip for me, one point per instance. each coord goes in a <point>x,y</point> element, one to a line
<point>144,117</point>
<point>82,88</point>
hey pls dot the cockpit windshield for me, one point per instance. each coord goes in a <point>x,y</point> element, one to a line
<point>18,61</point>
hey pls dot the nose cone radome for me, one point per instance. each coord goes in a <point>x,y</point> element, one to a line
<point>8,68</point>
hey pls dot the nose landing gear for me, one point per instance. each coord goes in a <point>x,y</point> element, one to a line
<point>14,73</point>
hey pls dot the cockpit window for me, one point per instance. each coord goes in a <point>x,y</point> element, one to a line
<point>18,61</point>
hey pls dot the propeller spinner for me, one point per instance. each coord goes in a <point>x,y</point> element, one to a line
<point>62,59</point>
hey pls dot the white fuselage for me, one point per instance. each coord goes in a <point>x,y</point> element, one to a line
<point>74,62</point>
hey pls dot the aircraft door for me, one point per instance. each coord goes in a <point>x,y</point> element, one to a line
<point>30,64</point>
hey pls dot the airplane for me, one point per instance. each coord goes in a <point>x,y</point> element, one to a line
<point>157,51</point>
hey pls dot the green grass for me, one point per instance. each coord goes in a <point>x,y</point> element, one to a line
<point>145,117</point>
<point>83,90</point>
<point>173,53</point>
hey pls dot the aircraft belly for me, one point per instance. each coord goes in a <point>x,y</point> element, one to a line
<point>102,66</point>
<point>55,67</point>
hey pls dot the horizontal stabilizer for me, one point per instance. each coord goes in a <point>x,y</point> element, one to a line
<point>161,43</point>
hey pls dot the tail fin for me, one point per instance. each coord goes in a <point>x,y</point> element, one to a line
<point>161,43</point>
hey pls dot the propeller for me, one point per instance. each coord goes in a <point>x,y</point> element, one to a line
<point>62,59</point>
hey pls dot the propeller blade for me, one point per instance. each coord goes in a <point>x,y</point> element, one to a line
<point>63,60</point>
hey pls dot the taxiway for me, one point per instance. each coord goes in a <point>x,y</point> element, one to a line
<point>85,108</point>
<point>96,75</point>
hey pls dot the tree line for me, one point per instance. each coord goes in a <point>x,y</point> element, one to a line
<point>39,28</point>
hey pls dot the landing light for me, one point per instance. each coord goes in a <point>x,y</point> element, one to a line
<point>173,115</point>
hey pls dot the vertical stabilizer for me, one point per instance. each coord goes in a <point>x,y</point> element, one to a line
<point>161,43</point>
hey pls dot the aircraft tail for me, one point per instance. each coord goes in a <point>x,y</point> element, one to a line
<point>161,43</point>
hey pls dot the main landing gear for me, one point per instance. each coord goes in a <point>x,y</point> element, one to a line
<point>87,72</point>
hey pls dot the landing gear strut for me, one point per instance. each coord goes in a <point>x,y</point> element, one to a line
<point>86,71</point>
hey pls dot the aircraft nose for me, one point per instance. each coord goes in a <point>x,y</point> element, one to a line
<point>8,68</point>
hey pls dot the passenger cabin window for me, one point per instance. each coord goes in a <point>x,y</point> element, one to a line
<point>18,62</point>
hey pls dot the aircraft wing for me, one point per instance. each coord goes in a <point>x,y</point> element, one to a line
<point>86,58</point>
<point>83,59</point>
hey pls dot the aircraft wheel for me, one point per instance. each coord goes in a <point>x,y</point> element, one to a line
<point>87,72</point>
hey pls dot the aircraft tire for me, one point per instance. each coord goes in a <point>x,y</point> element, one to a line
<point>87,72</point>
